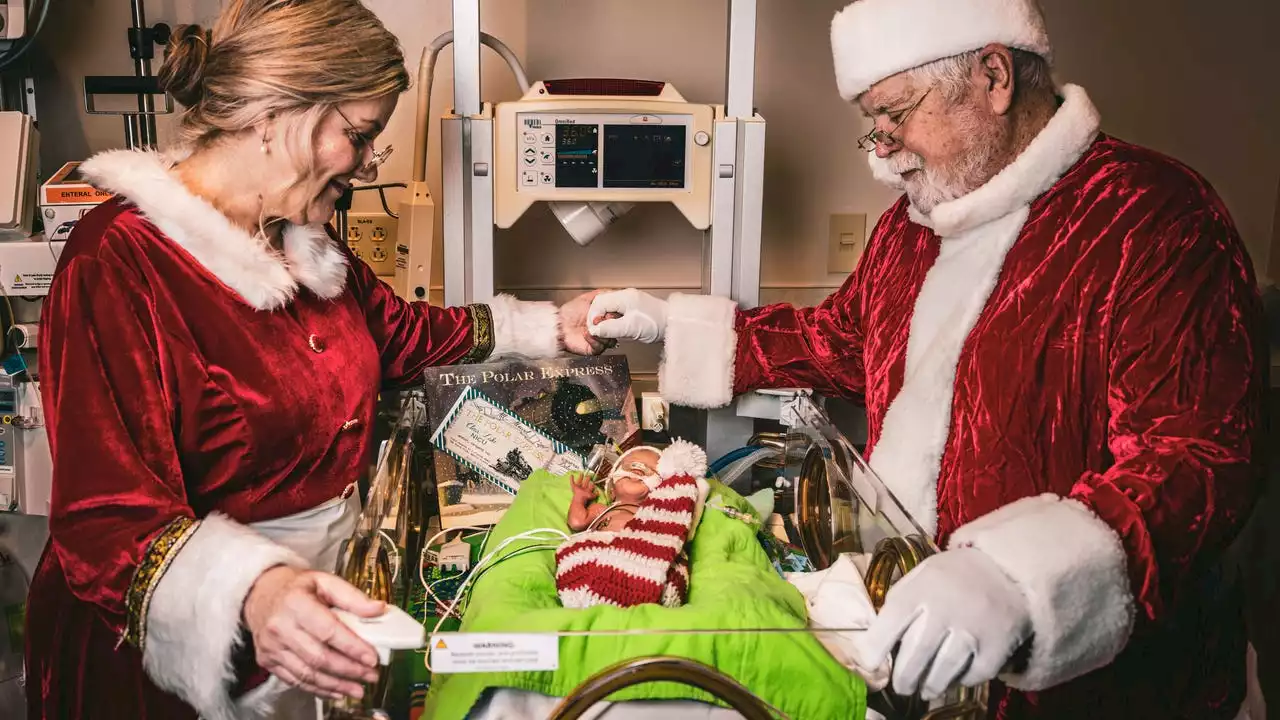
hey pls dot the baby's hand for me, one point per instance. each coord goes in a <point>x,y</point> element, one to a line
<point>583,488</point>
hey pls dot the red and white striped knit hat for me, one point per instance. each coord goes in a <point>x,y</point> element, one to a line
<point>645,561</point>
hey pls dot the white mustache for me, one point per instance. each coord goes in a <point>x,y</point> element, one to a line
<point>904,162</point>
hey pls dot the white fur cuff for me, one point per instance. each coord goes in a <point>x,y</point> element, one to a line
<point>700,351</point>
<point>1072,569</point>
<point>193,622</point>
<point>875,39</point>
<point>526,329</point>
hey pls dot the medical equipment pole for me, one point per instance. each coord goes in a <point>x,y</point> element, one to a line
<point>737,206</point>
<point>466,142</point>
<point>141,127</point>
<point>738,181</point>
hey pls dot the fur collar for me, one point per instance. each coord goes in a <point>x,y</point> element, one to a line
<point>266,278</point>
<point>1058,146</point>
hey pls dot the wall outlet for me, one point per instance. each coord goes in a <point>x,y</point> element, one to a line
<point>847,241</point>
<point>372,236</point>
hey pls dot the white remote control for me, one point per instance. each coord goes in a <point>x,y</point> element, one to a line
<point>395,629</point>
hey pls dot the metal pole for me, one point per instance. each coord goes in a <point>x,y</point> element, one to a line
<point>146,127</point>
<point>741,71</point>
<point>466,57</point>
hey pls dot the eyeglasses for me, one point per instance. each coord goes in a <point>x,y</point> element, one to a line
<point>362,141</point>
<point>868,142</point>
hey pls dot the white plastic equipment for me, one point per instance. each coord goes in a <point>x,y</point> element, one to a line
<point>483,151</point>
<point>393,630</point>
<point>19,155</point>
<point>13,19</point>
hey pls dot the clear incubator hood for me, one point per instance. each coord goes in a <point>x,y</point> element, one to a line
<point>841,508</point>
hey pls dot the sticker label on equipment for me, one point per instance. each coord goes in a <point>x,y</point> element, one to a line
<point>490,652</point>
<point>32,281</point>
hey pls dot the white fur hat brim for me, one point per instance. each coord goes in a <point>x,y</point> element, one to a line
<point>872,40</point>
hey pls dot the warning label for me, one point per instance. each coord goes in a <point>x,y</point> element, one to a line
<point>489,652</point>
<point>31,282</point>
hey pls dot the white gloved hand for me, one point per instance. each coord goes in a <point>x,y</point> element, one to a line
<point>642,316</point>
<point>959,619</point>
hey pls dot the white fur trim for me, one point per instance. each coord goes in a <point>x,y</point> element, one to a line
<point>1059,145</point>
<point>699,351</point>
<point>977,230</point>
<point>683,458</point>
<point>908,454</point>
<point>263,701</point>
<point>265,278</point>
<point>193,623</point>
<point>872,40</point>
<point>315,261</point>
<point>1073,570</point>
<point>527,329</point>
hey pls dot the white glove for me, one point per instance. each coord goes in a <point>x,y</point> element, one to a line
<point>643,316</point>
<point>959,619</point>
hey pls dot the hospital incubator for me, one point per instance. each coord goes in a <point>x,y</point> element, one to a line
<point>741,646</point>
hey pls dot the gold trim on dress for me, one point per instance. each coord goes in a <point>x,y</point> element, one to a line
<point>481,334</point>
<point>155,561</point>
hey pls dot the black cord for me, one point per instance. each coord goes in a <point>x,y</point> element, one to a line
<point>342,206</point>
<point>382,194</point>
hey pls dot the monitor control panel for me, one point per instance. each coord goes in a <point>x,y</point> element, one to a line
<point>600,148</point>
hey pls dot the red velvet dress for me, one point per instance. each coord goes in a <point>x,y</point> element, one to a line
<point>1070,380</point>
<point>195,383</point>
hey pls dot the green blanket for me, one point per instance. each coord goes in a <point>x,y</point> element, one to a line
<point>732,585</point>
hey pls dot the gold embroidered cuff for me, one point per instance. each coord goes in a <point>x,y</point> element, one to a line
<point>154,562</point>
<point>481,334</point>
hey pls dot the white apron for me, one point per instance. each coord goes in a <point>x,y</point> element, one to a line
<point>317,535</point>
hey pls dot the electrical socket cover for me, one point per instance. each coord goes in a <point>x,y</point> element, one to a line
<point>847,241</point>
<point>372,236</point>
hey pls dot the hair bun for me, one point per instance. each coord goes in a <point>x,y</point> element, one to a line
<point>182,74</point>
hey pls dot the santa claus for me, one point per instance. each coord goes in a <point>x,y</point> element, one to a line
<point>1057,336</point>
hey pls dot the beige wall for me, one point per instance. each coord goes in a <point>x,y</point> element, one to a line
<point>1186,78</point>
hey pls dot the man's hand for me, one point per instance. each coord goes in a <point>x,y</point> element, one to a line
<point>299,639</point>
<point>573,327</point>
<point>958,618</point>
<point>635,316</point>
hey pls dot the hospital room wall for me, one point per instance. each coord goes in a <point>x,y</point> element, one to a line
<point>1186,78</point>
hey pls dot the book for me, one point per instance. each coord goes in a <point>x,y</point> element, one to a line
<point>491,425</point>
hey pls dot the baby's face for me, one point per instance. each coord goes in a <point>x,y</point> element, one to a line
<point>628,477</point>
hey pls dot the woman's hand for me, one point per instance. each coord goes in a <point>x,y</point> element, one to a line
<point>573,327</point>
<point>299,639</point>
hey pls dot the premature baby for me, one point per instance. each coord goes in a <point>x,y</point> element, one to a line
<point>631,550</point>
<point>633,477</point>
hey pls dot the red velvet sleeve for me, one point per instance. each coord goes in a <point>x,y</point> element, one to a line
<point>817,347</point>
<point>413,336</point>
<point>714,351</point>
<point>1186,401</point>
<point>111,410</point>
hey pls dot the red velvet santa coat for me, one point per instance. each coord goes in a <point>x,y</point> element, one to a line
<point>1063,369</point>
<point>195,382</point>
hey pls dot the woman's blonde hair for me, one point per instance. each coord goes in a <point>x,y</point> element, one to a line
<point>268,59</point>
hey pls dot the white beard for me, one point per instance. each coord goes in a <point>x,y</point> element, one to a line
<point>935,184</point>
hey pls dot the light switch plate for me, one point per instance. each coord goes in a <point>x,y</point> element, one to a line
<point>848,238</point>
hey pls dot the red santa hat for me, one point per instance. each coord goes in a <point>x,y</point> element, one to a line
<point>644,562</point>
<point>875,39</point>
